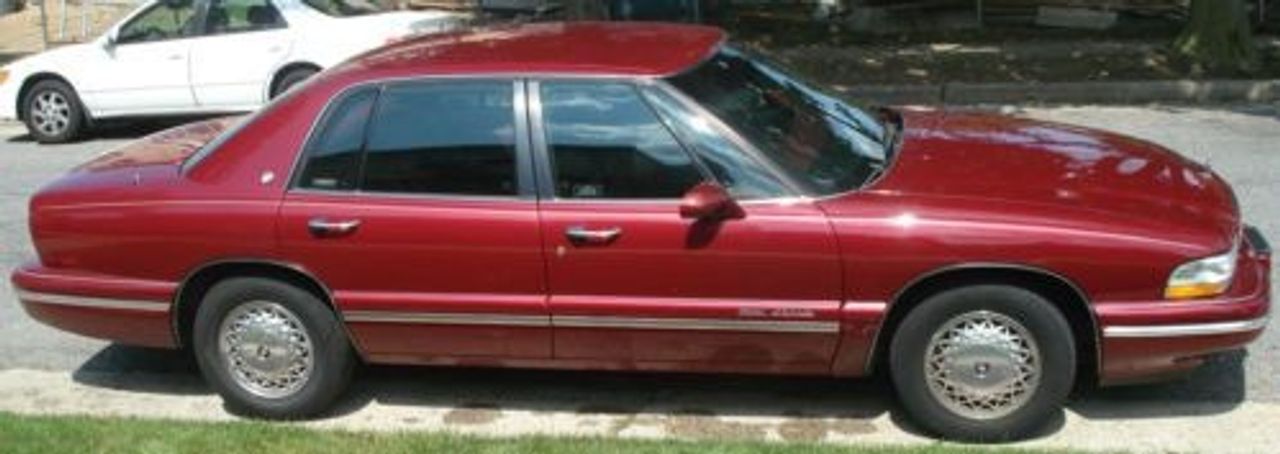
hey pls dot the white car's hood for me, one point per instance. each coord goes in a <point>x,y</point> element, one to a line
<point>51,58</point>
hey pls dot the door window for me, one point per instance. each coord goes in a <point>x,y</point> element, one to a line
<point>744,177</point>
<point>165,20</point>
<point>606,143</point>
<point>231,16</point>
<point>443,138</point>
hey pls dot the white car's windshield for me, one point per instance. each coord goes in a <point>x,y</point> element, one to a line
<point>345,8</point>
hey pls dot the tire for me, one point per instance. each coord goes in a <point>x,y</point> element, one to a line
<point>291,78</point>
<point>291,313</point>
<point>994,324</point>
<point>52,112</point>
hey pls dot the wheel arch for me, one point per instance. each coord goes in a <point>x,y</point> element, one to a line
<point>1064,293</point>
<point>279,73</point>
<point>194,286</point>
<point>30,82</point>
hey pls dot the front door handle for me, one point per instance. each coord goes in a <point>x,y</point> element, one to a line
<point>582,236</point>
<point>324,228</point>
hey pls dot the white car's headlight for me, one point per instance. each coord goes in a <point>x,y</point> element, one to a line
<point>4,75</point>
<point>1203,278</point>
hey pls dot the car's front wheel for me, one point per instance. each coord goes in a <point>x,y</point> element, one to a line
<point>53,112</point>
<point>983,363</point>
<point>271,349</point>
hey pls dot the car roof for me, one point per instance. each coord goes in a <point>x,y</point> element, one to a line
<point>566,48</point>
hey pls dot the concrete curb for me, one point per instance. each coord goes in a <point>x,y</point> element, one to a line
<point>1122,92</point>
<point>1096,426</point>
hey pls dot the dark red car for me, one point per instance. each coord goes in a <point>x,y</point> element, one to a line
<point>645,197</point>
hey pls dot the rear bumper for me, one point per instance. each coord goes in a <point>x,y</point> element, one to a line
<point>1145,341</point>
<point>129,311</point>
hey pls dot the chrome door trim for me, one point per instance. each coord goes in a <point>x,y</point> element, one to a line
<point>92,302</point>
<point>1186,329</point>
<point>583,321</point>
<point>695,324</point>
<point>446,318</point>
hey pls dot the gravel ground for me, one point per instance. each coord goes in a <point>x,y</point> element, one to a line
<point>1239,142</point>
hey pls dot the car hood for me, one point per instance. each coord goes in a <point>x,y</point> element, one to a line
<point>984,156</point>
<point>165,148</point>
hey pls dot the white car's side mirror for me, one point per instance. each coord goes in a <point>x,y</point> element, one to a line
<point>109,41</point>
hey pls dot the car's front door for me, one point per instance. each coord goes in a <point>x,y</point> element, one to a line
<point>144,69</point>
<point>413,203</point>
<point>633,282</point>
<point>244,42</point>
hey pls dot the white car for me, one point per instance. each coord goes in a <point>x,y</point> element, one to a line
<point>186,57</point>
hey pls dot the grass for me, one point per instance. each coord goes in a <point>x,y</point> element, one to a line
<point>57,434</point>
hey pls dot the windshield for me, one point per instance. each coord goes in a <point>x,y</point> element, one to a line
<point>821,141</point>
<point>345,8</point>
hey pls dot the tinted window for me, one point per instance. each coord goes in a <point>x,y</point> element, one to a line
<point>333,156</point>
<point>605,142</point>
<point>737,171</point>
<point>161,22</point>
<point>443,138</point>
<point>821,141</point>
<point>229,16</point>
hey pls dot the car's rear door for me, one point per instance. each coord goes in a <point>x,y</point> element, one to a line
<point>423,222</point>
<point>632,282</point>
<point>232,64</point>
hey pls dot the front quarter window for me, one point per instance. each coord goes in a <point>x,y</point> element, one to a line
<point>821,142</point>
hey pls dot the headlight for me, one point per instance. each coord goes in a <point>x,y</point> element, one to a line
<point>1203,278</point>
<point>4,75</point>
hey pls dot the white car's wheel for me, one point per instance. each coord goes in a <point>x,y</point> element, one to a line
<point>52,112</point>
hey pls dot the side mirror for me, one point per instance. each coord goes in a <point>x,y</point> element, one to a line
<point>709,202</point>
<point>109,41</point>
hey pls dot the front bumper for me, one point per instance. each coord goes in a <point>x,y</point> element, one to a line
<point>9,100</point>
<point>125,310</point>
<point>1144,341</point>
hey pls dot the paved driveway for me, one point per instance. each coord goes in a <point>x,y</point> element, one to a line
<point>1214,404</point>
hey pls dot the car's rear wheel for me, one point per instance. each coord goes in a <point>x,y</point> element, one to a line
<point>53,112</point>
<point>290,78</point>
<point>271,349</point>
<point>983,363</point>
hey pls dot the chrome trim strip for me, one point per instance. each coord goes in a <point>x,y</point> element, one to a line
<point>433,318</point>
<point>92,302</point>
<point>879,306</point>
<point>695,324</point>
<point>1190,329</point>
<point>577,321</point>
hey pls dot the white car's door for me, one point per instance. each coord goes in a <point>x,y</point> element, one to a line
<point>243,42</point>
<point>145,68</point>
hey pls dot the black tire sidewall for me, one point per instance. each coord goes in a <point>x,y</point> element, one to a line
<point>291,78</point>
<point>1053,337</point>
<point>332,361</point>
<point>75,123</point>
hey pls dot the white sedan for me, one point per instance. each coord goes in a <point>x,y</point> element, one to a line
<point>187,57</point>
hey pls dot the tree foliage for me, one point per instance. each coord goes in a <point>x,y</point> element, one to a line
<point>1218,35</point>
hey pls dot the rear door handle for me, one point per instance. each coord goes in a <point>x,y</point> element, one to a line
<point>324,228</point>
<point>582,236</point>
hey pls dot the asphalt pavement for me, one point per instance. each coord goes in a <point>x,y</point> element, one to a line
<point>1241,143</point>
